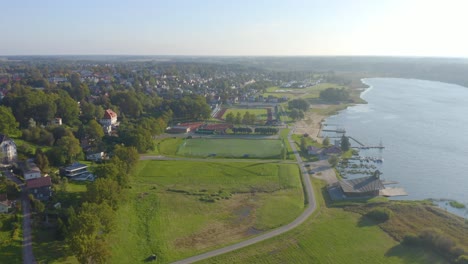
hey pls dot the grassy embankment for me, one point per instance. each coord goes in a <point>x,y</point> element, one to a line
<point>336,235</point>
<point>169,213</point>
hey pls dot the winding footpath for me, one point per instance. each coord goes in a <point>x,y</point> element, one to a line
<point>311,206</point>
<point>28,256</point>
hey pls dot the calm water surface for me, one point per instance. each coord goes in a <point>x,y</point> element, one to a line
<point>424,128</point>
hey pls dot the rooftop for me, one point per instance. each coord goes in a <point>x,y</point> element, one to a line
<point>38,182</point>
<point>362,185</point>
<point>75,166</point>
<point>109,114</point>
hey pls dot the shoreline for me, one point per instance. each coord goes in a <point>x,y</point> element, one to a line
<point>441,203</point>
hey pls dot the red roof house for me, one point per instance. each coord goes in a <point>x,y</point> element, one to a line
<point>40,188</point>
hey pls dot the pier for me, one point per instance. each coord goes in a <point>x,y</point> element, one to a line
<point>339,130</point>
<point>391,192</point>
<point>362,146</point>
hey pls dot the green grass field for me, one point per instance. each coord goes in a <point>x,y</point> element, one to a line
<point>231,148</point>
<point>332,235</point>
<point>166,146</point>
<point>260,113</point>
<point>165,215</point>
<point>292,93</point>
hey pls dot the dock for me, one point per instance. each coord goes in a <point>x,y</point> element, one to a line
<point>392,192</point>
<point>389,182</point>
<point>363,146</point>
<point>339,131</point>
<point>369,147</point>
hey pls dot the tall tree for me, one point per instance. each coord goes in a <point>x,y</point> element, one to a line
<point>67,108</point>
<point>299,104</point>
<point>345,145</point>
<point>94,132</point>
<point>296,114</point>
<point>69,147</point>
<point>41,160</point>
<point>88,234</point>
<point>129,155</point>
<point>238,119</point>
<point>104,190</point>
<point>230,118</point>
<point>8,124</point>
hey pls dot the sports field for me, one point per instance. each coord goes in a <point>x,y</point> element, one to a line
<point>231,148</point>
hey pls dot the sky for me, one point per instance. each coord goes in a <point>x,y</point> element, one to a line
<point>426,28</point>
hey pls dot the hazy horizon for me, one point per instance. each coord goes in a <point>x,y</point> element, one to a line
<point>242,28</point>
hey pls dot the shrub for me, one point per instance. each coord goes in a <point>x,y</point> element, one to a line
<point>436,241</point>
<point>411,240</point>
<point>462,259</point>
<point>380,214</point>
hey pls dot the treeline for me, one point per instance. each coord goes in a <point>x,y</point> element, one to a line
<point>31,113</point>
<point>257,130</point>
<point>247,119</point>
<point>297,108</point>
<point>334,95</point>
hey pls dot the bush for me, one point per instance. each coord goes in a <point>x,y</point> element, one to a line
<point>411,240</point>
<point>436,241</point>
<point>380,214</point>
<point>462,259</point>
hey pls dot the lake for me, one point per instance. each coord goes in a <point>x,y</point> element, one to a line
<point>424,128</point>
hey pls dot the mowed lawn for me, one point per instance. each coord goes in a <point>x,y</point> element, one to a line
<point>332,235</point>
<point>260,113</point>
<point>165,215</point>
<point>231,148</point>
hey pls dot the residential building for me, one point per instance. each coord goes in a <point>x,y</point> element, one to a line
<point>8,152</point>
<point>108,121</point>
<point>74,170</point>
<point>30,170</point>
<point>40,188</point>
<point>333,150</point>
<point>109,118</point>
<point>95,156</point>
<point>5,204</point>
<point>311,150</point>
<point>57,121</point>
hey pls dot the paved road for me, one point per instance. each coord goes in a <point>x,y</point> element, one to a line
<point>28,256</point>
<point>311,206</point>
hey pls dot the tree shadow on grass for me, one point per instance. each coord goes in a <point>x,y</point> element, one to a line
<point>410,255</point>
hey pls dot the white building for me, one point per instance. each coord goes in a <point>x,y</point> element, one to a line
<point>109,119</point>
<point>8,152</point>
